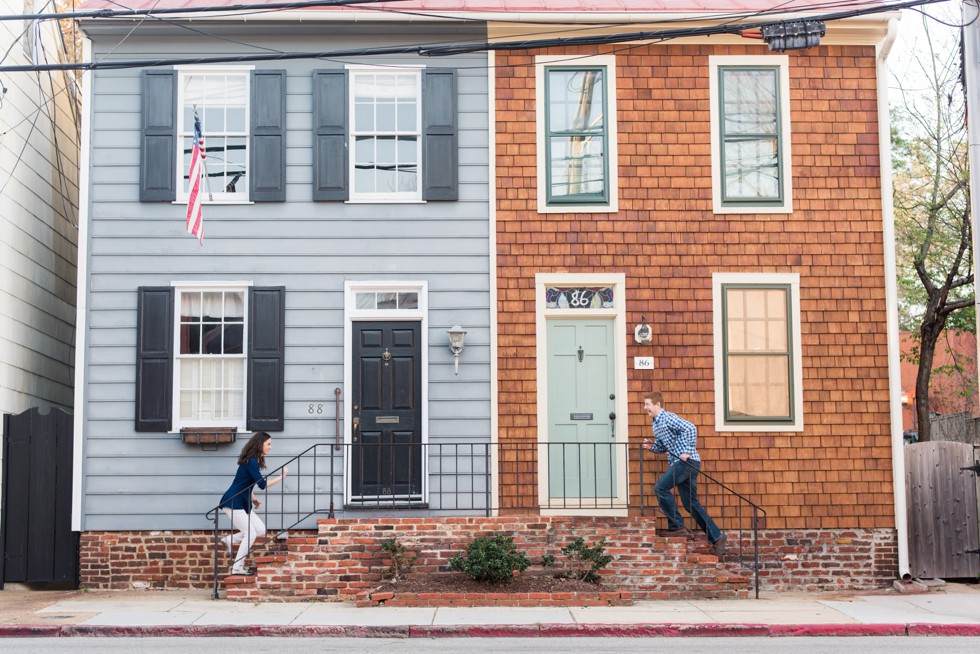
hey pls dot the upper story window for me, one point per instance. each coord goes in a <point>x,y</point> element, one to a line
<point>576,134</point>
<point>757,353</point>
<point>221,99</point>
<point>209,375</point>
<point>386,135</point>
<point>750,134</point>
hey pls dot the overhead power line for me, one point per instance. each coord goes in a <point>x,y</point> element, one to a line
<point>122,13</point>
<point>468,48</point>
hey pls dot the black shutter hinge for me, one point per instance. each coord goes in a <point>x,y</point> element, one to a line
<point>972,551</point>
<point>975,468</point>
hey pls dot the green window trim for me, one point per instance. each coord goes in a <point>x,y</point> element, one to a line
<point>788,353</point>
<point>598,199</point>
<point>779,199</point>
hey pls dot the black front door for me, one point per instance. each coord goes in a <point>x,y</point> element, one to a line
<point>386,454</point>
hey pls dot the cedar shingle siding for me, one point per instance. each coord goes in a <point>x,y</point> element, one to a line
<point>837,472</point>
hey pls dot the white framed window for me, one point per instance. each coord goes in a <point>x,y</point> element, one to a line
<point>210,356</point>
<point>221,98</point>
<point>576,134</point>
<point>751,164</point>
<point>758,356</point>
<point>386,135</point>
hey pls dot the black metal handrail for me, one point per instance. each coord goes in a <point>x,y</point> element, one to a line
<point>742,504</point>
<point>446,478</point>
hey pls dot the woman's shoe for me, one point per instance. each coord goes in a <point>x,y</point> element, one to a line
<point>247,572</point>
<point>226,541</point>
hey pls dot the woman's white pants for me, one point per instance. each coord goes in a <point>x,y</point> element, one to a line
<point>245,523</point>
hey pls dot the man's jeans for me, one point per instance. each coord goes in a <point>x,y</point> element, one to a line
<point>684,475</point>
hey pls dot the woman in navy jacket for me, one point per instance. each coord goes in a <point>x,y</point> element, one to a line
<point>238,500</point>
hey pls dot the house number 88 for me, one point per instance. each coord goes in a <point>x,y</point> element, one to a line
<point>316,408</point>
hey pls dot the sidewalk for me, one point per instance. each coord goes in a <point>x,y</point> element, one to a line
<point>952,610</point>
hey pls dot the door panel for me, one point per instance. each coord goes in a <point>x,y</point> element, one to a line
<point>386,454</point>
<point>582,461</point>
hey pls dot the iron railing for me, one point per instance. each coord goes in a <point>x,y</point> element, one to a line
<point>436,478</point>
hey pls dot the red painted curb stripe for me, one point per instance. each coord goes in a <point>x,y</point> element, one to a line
<point>837,630</point>
<point>944,630</point>
<point>474,631</point>
<point>29,630</point>
<point>646,630</point>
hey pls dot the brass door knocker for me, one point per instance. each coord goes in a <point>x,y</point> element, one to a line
<point>386,356</point>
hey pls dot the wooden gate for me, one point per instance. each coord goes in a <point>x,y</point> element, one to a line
<point>942,491</point>
<point>36,540</point>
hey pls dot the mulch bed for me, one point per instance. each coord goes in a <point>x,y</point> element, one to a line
<point>458,582</point>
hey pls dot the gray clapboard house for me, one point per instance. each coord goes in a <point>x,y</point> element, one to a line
<point>346,229</point>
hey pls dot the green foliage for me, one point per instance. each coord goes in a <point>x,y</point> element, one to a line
<point>491,559</point>
<point>547,560</point>
<point>402,558</point>
<point>585,562</point>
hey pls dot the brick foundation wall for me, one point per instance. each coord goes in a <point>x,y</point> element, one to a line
<point>345,559</point>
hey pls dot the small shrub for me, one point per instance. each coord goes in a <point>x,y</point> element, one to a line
<point>547,560</point>
<point>401,558</point>
<point>584,562</point>
<point>490,559</point>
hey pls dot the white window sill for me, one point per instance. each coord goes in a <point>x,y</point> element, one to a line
<point>578,208</point>
<point>207,203</point>
<point>377,201</point>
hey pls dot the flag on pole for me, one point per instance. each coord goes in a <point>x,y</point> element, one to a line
<point>195,217</point>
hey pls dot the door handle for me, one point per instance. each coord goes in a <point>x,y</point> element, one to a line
<point>612,424</point>
<point>356,423</point>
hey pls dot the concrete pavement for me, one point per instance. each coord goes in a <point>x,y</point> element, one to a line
<point>952,609</point>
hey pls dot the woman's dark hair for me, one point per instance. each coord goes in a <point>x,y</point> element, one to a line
<point>253,449</point>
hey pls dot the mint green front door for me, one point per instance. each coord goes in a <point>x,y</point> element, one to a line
<point>581,448</point>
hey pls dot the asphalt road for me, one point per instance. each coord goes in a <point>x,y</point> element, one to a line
<point>737,645</point>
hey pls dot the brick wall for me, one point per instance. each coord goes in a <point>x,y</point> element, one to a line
<point>836,474</point>
<point>345,559</point>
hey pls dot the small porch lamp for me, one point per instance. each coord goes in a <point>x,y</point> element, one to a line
<point>456,336</point>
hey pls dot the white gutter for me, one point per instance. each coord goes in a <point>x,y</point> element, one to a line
<point>971,74</point>
<point>492,163</point>
<point>81,297</point>
<point>891,302</point>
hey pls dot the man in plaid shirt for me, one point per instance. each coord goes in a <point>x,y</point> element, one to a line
<point>678,438</point>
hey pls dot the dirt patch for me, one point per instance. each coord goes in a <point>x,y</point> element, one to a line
<point>457,582</point>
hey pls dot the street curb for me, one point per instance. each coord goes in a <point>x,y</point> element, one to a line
<point>637,630</point>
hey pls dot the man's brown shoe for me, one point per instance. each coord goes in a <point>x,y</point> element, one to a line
<point>720,545</point>
<point>668,533</point>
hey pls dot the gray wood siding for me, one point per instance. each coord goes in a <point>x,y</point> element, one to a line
<point>153,481</point>
<point>38,226</point>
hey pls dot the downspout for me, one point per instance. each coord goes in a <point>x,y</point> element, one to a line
<point>891,301</point>
<point>81,301</point>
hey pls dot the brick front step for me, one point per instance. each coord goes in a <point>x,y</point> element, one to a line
<point>601,598</point>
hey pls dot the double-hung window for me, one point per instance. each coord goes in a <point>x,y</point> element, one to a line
<point>750,134</point>
<point>757,352</point>
<point>209,379</point>
<point>576,134</point>
<point>386,135</point>
<point>220,99</point>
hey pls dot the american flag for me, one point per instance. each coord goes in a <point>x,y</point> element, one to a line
<point>195,218</point>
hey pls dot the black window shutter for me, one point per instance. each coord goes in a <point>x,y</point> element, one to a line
<point>440,157</point>
<point>330,177</point>
<point>154,358</point>
<point>158,143</point>
<point>267,137</point>
<point>266,358</point>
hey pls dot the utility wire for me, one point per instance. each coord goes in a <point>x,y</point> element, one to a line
<point>116,13</point>
<point>468,48</point>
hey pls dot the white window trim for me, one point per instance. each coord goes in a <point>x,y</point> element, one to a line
<point>179,287</point>
<point>351,315</point>
<point>786,156</point>
<point>542,62</point>
<point>218,198</point>
<point>542,315</point>
<point>718,280</point>
<point>385,198</point>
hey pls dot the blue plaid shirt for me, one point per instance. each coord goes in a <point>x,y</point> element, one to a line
<point>675,436</point>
